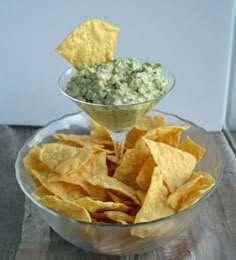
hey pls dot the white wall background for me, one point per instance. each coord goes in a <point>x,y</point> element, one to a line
<point>192,37</point>
<point>230,120</point>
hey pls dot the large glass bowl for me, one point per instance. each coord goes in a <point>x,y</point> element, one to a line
<point>116,239</point>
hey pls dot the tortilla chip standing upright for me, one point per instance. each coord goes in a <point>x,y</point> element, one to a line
<point>93,42</point>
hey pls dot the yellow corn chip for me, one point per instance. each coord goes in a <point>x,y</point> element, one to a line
<point>98,131</point>
<point>144,177</point>
<point>141,195</point>
<point>131,164</point>
<point>63,158</point>
<point>78,140</point>
<point>189,193</point>
<point>63,190</point>
<point>188,145</point>
<point>168,134</point>
<point>149,122</point>
<point>93,205</point>
<point>66,208</point>
<point>155,204</point>
<point>144,125</point>
<point>93,42</point>
<point>95,166</point>
<point>113,184</point>
<point>41,191</point>
<point>31,161</point>
<point>175,165</point>
<point>119,216</point>
<point>121,198</point>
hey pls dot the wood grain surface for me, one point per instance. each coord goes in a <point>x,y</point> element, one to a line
<point>24,235</point>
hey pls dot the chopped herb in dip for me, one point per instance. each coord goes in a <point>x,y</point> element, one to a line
<point>119,82</point>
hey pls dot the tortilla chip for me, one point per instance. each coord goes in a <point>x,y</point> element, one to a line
<point>144,177</point>
<point>66,208</point>
<point>31,161</point>
<point>78,140</point>
<point>113,184</point>
<point>188,145</point>
<point>121,198</point>
<point>41,191</point>
<point>131,164</point>
<point>96,166</point>
<point>119,217</point>
<point>93,205</point>
<point>94,42</point>
<point>191,192</point>
<point>144,125</point>
<point>168,134</point>
<point>175,165</point>
<point>63,190</point>
<point>149,122</point>
<point>97,131</point>
<point>63,159</point>
<point>141,195</point>
<point>155,205</point>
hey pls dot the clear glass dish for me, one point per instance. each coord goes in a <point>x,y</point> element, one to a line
<point>117,119</point>
<point>115,239</point>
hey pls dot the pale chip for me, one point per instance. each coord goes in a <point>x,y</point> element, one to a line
<point>77,140</point>
<point>63,159</point>
<point>63,190</point>
<point>119,216</point>
<point>66,208</point>
<point>93,205</point>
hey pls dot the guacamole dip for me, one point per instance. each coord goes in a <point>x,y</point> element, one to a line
<point>119,82</point>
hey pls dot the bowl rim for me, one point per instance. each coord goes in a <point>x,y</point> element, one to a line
<point>43,207</point>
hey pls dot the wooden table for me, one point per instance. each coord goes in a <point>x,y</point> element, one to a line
<point>24,235</point>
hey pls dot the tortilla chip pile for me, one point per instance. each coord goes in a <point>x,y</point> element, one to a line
<point>79,176</point>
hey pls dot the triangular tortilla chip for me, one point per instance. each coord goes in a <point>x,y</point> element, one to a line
<point>188,145</point>
<point>93,41</point>
<point>175,165</point>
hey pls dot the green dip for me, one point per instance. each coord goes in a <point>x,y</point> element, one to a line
<point>119,82</point>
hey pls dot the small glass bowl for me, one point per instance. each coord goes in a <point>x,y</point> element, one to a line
<point>117,239</point>
<point>116,118</point>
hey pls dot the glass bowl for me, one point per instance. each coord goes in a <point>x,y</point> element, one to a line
<point>117,239</point>
<point>116,118</point>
